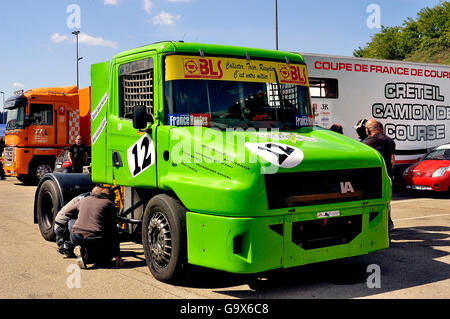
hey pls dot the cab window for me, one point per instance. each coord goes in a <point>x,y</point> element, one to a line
<point>325,88</point>
<point>41,114</point>
<point>135,86</point>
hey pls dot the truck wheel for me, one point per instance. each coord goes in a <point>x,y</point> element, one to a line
<point>47,208</point>
<point>36,170</point>
<point>41,170</point>
<point>164,238</point>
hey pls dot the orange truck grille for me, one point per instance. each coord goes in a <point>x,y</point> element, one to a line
<point>8,155</point>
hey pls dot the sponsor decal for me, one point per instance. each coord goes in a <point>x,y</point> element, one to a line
<point>141,155</point>
<point>333,213</point>
<point>278,154</point>
<point>230,69</point>
<point>179,119</point>
<point>98,131</point>
<point>99,106</point>
<point>303,121</point>
<point>186,119</point>
<point>203,68</point>
<point>199,119</point>
<point>293,74</point>
<point>282,136</point>
<point>41,135</point>
<point>40,132</point>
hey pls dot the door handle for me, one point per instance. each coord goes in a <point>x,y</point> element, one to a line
<point>116,160</point>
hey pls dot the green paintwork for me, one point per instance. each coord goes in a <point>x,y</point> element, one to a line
<point>224,199</point>
<point>99,86</point>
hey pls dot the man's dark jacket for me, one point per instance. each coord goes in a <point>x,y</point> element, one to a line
<point>96,216</point>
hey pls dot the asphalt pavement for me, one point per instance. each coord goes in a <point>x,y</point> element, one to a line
<point>417,265</point>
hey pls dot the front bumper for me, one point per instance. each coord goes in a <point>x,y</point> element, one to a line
<point>252,245</point>
<point>438,184</point>
<point>17,160</point>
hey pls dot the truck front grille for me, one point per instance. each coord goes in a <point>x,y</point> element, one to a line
<point>8,155</point>
<point>322,187</point>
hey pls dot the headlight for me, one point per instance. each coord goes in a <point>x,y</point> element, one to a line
<point>440,171</point>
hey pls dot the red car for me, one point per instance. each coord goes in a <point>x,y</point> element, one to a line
<point>432,172</point>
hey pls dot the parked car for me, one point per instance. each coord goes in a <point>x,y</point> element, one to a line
<point>62,163</point>
<point>432,172</point>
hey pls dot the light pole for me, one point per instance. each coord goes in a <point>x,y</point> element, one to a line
<point>76,33</point>
<point>276,25</point>
<point>3,107</point>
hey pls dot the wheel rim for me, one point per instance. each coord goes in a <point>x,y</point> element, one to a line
<point>42,169</point>
<point>160,240</point>
<point>47,209</point>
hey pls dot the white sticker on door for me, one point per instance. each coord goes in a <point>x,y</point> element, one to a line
<point>141,155</point>
<point>278,154</point>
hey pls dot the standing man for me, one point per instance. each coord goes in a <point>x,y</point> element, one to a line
<point>383,144</point>
<point>78,155</point>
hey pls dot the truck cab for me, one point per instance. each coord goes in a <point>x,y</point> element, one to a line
<point>220,165</point>
<point>39,124</point>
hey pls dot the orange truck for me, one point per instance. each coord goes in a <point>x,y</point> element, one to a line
<point>40,123</point>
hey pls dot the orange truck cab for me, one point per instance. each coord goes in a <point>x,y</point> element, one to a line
<point>40,123</point>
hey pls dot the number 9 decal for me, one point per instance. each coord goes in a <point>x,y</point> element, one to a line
<point>141,155</point>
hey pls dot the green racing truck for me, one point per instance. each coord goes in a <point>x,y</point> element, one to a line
<point>217,163</point>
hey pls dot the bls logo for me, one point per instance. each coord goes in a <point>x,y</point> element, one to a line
<point>190,66</point>
<point>203,68</point>
<point>294,74</point>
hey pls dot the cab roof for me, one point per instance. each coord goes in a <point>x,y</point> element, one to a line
<point>63,90</point>
<point>214,50</point>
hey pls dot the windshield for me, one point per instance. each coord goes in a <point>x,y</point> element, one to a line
<point>236,93</point>
<point>442,154</point>
<point>239,104</point>
<point>15,118</point>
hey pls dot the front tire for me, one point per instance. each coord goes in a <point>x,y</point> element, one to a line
<point>48,205</point>
<point>164,238</point>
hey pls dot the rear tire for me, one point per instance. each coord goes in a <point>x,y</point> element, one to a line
<point>36,171</point>
<point>48,205</point>
<point>164,238</point>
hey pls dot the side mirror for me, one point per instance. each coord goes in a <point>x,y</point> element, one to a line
<point>140,117</point>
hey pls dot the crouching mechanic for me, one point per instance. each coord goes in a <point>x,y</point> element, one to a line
<point>61,224</point>
<point>93,229</point>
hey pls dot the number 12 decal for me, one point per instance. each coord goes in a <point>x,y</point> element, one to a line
<point>141,155</point>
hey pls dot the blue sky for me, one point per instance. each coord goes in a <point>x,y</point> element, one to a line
<point>38,50</point>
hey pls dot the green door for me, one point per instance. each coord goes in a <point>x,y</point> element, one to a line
<point>130,152</point>
<point>99,105</point>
